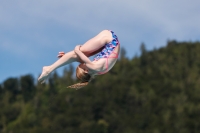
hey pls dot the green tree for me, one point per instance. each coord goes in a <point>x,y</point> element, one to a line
<point>156,92</point>
<point>27,87</point>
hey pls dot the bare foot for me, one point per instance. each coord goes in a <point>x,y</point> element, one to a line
<point>44,75</point>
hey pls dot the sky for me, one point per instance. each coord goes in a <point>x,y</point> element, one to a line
<point>32,32</point>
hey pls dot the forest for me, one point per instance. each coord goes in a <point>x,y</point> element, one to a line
<point>155,92</point>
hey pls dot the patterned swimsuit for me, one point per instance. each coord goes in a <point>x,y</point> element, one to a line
<point>107,50</point>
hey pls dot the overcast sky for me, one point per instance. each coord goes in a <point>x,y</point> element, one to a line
<point>32,32</point>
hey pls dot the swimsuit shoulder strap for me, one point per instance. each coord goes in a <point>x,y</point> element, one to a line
<point>116,56</point>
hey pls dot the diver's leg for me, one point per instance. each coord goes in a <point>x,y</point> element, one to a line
<point>95,44</point>
<point>67,58</point>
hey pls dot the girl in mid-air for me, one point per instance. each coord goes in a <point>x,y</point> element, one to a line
<point>106,47</point>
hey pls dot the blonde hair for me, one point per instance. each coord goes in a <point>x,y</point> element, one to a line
<point>83,76</point>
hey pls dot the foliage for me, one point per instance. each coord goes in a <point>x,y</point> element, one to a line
<point>157,92</point>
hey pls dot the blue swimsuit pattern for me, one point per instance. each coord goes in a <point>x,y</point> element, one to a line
<point>108,48</point>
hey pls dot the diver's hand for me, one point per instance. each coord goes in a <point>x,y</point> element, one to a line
<point>60,54</point>
<point>77,48</point>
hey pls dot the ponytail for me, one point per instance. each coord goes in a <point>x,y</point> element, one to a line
<point>78,85</point>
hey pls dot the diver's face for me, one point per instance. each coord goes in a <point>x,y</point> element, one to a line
<point>84,67</point>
